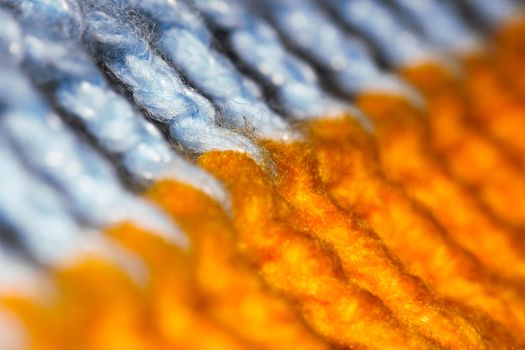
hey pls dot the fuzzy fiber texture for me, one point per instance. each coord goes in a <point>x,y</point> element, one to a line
<point>228,174</point>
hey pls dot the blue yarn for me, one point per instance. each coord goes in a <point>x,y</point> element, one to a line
<point>190,118</point>
<point>19,277</point>
<point>87,181</point>
<point>185,40</point>
<point>62,18</point>
<point>441,23</point>
<point>45,228</point>
<point>495,12</point>
<point>34,211</point>
<point>397,43</point>
<point>346,58</point>
<point>257,45</point>
<point>62,67</point>
<point>10,39</point>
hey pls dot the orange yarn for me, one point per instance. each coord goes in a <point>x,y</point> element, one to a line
<point>300,267</point>
<point>172,299</point>
<point>97,307</point>
<point>407,160</point>
<point>364,258</point>
<point>231,292</point>
<point>350,170</point>
<point>470,154</point>
<point>496,108</point>
<point>508,55</point>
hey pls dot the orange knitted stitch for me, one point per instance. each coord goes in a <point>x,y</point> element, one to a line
<point>301,267</point>
<point>509,53</point>
<point>232,293</point>
<point>97,307</point>
<point>174,305</point>
<point>404,151</point>
<point>350,170</point>
<point>495,106</point>
<point>471,155</point>
<point>364,257</point>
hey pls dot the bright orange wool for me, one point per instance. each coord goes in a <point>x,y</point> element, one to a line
<point>364,259</point>
<point>496,108</point>
<point>300,267</point>
<point>231,292</point>
<point>350,170</point>
<point>472,156</point>
<point>97,308</point>
<point>509,54</point>
<point>174,306</point>
<point>406,160</point>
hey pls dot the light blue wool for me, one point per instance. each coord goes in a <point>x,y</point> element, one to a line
<point>186,41</point>
<point>346,58</point>
<point>40,219</point>
<point>191,118</point>
<point>440,22</point>
<point>69,164</point>
<point>62,17</point>
<point>10,39</point>
<point>495,12</point>
<point>397,43</point>
<point>61,67</point>
<point>35,212</point>
<point>18,275</point>
<point>38,216</point>
<point>257,45</point>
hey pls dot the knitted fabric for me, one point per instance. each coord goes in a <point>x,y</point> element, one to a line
<point>227,174</point>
